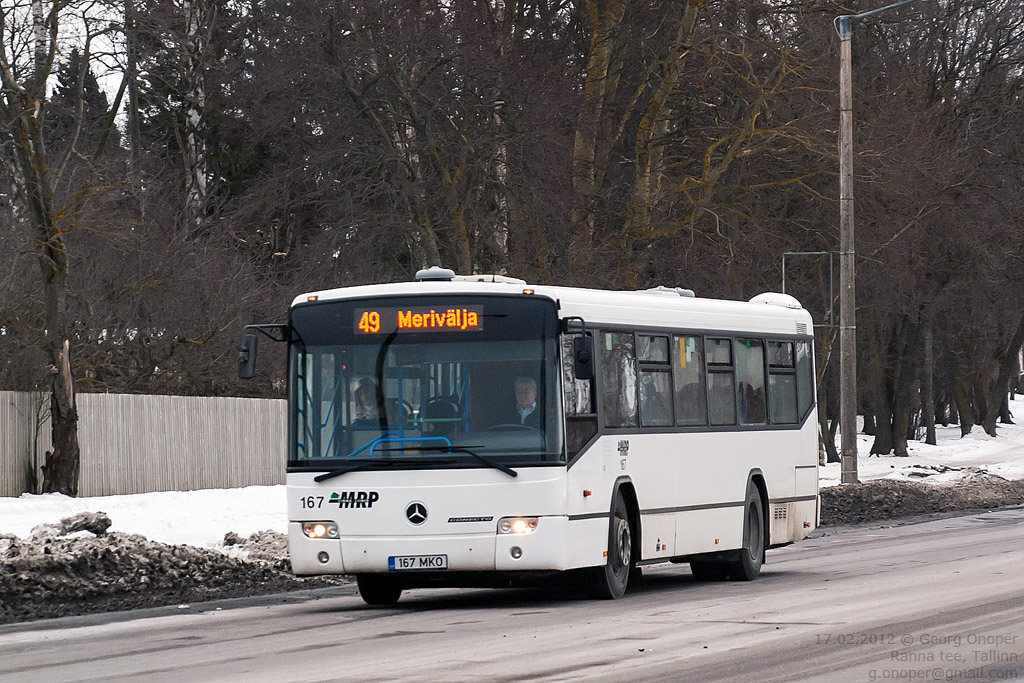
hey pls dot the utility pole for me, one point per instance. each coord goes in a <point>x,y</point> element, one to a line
<point>847,270</point>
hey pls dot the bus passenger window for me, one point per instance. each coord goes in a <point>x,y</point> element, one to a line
<point>688,381</point>
<point>781,383</point>
<point>721,388</point>
<point>655,381</point>
<point>782,398</point>
<point>804,378</point>
<point>721,398</point>
<point>652,349</point>
<point>618,379</point>
<point>750,380</point>
<point>655,398</point>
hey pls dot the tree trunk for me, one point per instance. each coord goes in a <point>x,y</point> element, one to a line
<point>883,443</point>
<point>594,137</point>
<point>653,124</point>
<point>60,473</point>
<point>827,431</point>
<point>132,78</point>
<point>907,351</point>
<point>199,18</point>
<point>962,398</point>
<point>999,389</point>
<point>928,397</point>
<point>868,410</point>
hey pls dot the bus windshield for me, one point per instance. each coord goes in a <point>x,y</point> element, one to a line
<point>424,382</point>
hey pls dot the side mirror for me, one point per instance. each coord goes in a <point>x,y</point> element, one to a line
<point>247,357</point>
<point>583,356</point>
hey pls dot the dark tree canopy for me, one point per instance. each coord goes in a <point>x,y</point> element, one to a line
<point>207,160</point>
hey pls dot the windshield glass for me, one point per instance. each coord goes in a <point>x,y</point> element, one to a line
<point>424,381</point>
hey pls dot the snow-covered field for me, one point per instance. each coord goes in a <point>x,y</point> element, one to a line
<point>1002,456</point>
<point>201,518</point>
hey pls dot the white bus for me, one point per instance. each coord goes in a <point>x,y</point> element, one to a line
<point>478,430</point>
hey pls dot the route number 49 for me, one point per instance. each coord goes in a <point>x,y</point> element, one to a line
<point>369,322</point>
<point>311,502</point>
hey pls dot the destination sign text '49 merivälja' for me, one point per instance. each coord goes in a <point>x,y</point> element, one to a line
<point>419,319</point>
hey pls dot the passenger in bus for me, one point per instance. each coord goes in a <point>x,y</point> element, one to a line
<point>366,395</point>
<point>526,412</point>
<point>752,407</point>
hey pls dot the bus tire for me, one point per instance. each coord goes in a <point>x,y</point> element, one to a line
<point>609,582</point>
<point>378,590</point>
<point>748,566</point>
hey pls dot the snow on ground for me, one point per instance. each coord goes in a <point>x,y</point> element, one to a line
<point>1002,456</point>
<point>201,518</point>
<point>198,518</point>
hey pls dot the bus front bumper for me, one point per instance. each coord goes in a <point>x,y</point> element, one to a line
<point>544,548</point>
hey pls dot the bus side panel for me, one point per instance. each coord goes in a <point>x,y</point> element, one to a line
<point>691,487</point>
<point>589,489</point>
<point>708,531</point>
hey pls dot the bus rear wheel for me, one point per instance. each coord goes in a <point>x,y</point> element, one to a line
<point>748,566</point>
<point>609,581</point>
<point>378,590</point>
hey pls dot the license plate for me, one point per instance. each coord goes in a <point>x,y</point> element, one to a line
<point>413,562</point>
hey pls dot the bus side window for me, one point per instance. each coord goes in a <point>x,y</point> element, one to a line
<point>688,381</point>
<point>618,379</point>
<point>804,377</point>
<point>750,379</point>
<point>655,381</point>
<point>781,383</point>
<point>721,386</point>
<point>578,394</point>
<point>580,415</point>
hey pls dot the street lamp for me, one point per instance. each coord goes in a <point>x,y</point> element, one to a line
<point>847,288</point>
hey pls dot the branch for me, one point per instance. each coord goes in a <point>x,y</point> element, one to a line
<point>79,104</point>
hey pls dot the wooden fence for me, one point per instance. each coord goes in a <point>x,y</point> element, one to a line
<point>135,444</point>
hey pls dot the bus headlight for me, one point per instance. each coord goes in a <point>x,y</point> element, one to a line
<point>320,529</point>
<point>517,525</point>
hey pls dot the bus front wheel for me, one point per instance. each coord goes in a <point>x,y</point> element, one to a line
<point>378,590</point>
<point>748,566</point>
<point>609,581</point>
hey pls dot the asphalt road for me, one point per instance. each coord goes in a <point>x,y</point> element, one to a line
<point>939,600</point>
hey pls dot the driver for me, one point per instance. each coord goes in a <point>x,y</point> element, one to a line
<point>526,412</point>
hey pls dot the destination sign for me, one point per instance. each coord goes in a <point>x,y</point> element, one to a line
<point>419,319</point>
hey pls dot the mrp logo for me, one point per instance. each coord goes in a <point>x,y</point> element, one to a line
<point>355,499</point>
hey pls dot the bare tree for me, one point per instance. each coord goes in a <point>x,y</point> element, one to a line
<point>23,107</point>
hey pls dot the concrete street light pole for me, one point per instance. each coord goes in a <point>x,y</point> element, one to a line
<point>847,287</point>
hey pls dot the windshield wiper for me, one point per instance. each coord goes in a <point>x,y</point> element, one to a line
<point>465,449</point>
<point>350,467</point>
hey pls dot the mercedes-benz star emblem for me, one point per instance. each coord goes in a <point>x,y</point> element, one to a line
<point>416,513</point>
